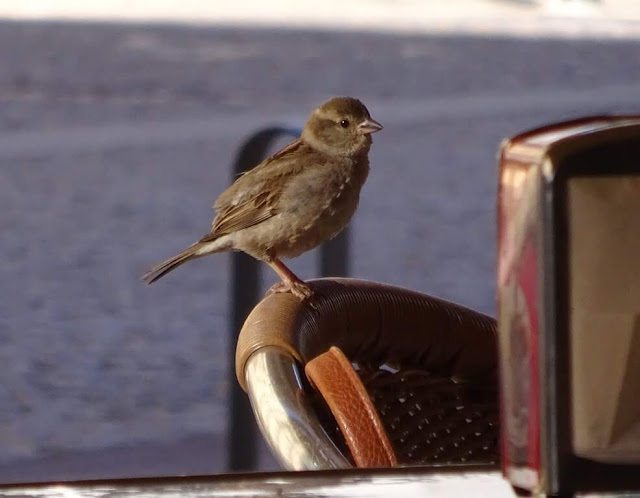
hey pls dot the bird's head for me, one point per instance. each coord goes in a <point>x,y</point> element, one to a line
<point>340,126</point>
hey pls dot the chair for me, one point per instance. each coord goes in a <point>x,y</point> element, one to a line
<point>393,377</point>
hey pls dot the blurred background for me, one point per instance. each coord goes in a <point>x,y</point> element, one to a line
<point>119,123</point>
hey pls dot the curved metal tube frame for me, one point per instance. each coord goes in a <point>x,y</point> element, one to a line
<point>284,414</point>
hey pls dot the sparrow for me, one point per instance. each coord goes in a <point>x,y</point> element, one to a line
<point>300,197</point>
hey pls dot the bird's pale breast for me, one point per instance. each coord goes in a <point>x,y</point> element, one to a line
<point>314,207</point>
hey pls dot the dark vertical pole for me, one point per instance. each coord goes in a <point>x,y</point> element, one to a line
<point>242,447</point>
<point>245,287</point>
<point>242,430</point>
<point>334,256</point>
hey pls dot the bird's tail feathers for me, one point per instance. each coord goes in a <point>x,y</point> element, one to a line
<point>197,250</point>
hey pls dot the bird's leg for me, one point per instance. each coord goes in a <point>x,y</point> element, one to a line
<point>290,282</point>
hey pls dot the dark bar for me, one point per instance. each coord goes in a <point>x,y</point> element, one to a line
<point>334,256</point>
<point>245,287</point>
<point>242,448</point>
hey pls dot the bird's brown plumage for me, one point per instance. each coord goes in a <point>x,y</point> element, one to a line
<point>296,199</point>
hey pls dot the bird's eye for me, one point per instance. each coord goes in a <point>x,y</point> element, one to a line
<point>344,123</point>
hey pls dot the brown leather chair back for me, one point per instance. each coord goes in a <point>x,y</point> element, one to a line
<point>425,370</point>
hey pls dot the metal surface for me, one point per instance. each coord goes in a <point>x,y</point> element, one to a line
<point>284,413</point>
<point>468,482</point>
<point>334,261</point>
<point>622,494</point>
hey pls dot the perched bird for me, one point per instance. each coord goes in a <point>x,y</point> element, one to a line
<point>301,196</point>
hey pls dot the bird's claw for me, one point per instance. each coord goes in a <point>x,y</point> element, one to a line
<point>300,289</point>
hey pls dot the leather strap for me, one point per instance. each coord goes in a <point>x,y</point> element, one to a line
<point>335,378</point>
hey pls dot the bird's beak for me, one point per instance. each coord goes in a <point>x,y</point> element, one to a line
<point>369,126</point>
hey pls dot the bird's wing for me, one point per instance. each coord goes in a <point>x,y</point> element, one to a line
<point>253,197</point>
<point>249,212</point>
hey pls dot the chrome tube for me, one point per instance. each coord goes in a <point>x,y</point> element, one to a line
<point>284,413</point>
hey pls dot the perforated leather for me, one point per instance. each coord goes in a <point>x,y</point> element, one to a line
<point>372,323</point>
